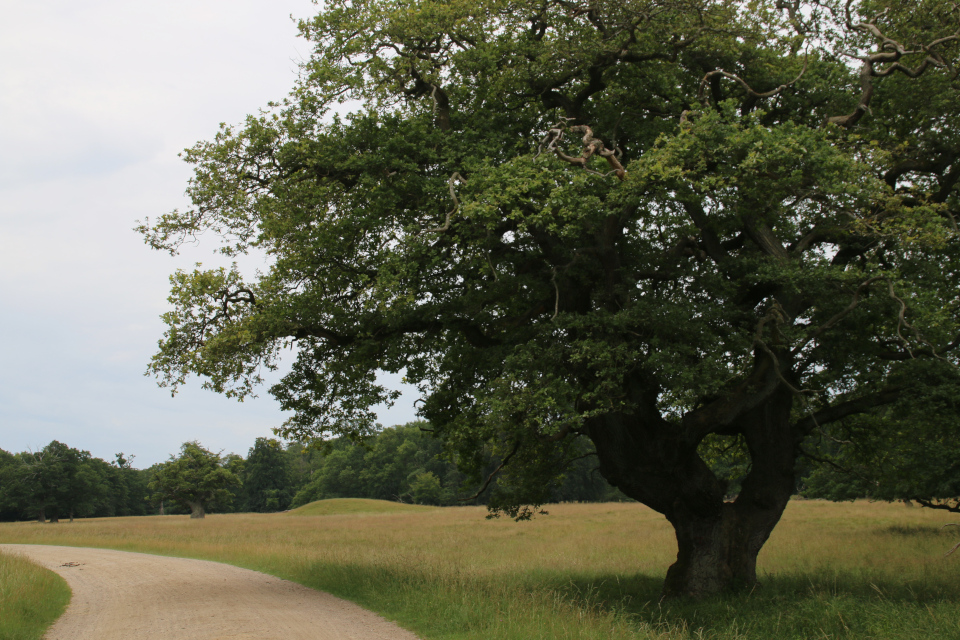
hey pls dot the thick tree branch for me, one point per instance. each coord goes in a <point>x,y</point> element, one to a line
<point>762,382</point>
<point>836,412</point>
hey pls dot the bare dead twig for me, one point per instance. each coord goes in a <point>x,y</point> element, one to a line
<point>456,204</point>
<point>556,302</point>
<point>591,146</point>
<point>889,52</point>
<point>705,101</point>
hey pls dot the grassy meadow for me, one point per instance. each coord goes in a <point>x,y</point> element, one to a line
<point>849,570</point>
<point>31,598</point>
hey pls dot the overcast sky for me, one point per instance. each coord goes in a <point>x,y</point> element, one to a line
<point>96,100</point>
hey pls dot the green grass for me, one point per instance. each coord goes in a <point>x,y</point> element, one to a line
<point>31,598</point>
<point>586,571</point>
<point>353,506</point>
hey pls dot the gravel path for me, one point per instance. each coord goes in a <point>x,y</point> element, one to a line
<point>122,595</point>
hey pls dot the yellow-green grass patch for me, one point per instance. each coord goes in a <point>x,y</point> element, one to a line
<point>352,506</point>
<point>31,598</point>
<point>854,570</point>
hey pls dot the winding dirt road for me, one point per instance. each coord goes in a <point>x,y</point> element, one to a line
<point>122,595</point>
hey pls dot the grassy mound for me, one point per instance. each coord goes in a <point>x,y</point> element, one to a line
<point>31,598</point>
<point>343,506</point>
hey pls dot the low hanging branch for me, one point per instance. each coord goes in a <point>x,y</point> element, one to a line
<point>952,504</point>
<point>591,146</point>
<point>493,474</point>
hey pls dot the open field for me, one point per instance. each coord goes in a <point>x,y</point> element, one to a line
<point>349,506</point>
<point>860,570</point>
<point>31,598</point>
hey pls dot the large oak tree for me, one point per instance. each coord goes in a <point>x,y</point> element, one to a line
<point>658,225</point>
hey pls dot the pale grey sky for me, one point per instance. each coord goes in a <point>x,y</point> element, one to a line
<point>96,100</point>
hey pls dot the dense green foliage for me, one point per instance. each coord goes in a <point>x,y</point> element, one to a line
<point>59,481</point>
<point>195,479</point>
<point>403,464</point>
<point>652,224</point>
<point>909,451</point>
<point>406,464</point>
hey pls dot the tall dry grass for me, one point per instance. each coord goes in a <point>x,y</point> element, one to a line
<point>31,598</point>
<point>858,570</point>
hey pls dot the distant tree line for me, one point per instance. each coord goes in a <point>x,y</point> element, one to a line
<point>406,464</point>
<point>402,463</point>
<point>62,482</point>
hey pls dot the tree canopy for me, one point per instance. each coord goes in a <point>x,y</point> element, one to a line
<point>59,480</point>
<point>194,479</point>
<point>266,477</point>
<point>660,225</point>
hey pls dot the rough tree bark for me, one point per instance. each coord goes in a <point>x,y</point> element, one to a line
<point>196,509</point>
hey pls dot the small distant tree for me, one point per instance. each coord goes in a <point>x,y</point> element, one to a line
<point>89,489</point>
<point>425,488</point>
<point>130,493</point>
<point>235,464</point>
<point>195,479</point>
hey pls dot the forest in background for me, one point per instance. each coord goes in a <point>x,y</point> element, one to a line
<point>402,463</point>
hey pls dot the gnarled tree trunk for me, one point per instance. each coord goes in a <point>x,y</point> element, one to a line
<point>720,553</point>
<point>656,463</point>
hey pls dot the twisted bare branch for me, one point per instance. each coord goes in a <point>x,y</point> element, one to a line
<point>456,204</point>
<point>591,146</point>
<point>890,52</point>
<point>705,100</point>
